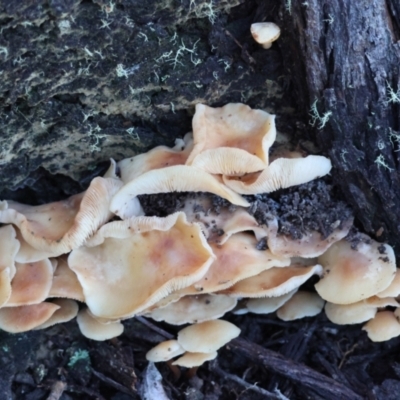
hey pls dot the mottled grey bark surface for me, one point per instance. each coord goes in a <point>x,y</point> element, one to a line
<point>83,81</point>
<point>345,57</point>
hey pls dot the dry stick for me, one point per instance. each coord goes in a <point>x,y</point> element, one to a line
<point>292,370</point>
<point>253,387</point>
<point>155,328</point>
<point>114,384</point>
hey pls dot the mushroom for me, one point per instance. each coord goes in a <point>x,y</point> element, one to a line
<point>300,305</point>
<point>178,178</point>
<point>134,263</point>
<point>59,227</point>
<point>273,282</point>
<point>207,337</point>
<point>193,309</point>
<point>159,157</point>
<point>31,283</point>
<point>265,33</point>
<point>165,351</point>
<point>384,326</point>
<point>359,273</point>
<point>267,305</point>
<point>93,329</point>
<point>25,318</point>
<point>231,140</point>
<point>67,311</point>
<point>355,313</point>
<point>280,174</point>
<point>191,360</point>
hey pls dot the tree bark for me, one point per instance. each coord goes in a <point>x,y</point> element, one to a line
<point>344,59</point>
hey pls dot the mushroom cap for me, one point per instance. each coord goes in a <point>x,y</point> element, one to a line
<point>273,282</point>
<point>267,305</point>
<point>134,265</point>
<point>231,140</point>
<point>310,245</point>
<point>300,305</point>
<point>219,224</point>
<point>25,318</point>
<point>9,247</point>
<point>193,309</point>
<point>280,174</point>
<point>393,290</point>
<point>355,313</point>
<point>359,273</point>
<point>191,360</point>
<point>31,283</point>
<point>67,311</point>
<point>65,282</point>
<point>178,178</point>
<point>265,33</point>
<point>159,157</point>
<point>207,337</point>
<point>165,351</point>
<point>237,259</point>
<point>5,286</point>
<point>93,329</point>
<point>384,326</point>
<point>76,218</point>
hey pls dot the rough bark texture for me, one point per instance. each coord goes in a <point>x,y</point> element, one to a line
<point>83,81</point>
<point>345,59</point>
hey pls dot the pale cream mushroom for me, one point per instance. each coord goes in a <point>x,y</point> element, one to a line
<point>67,311</point>
<point>393,290</point>
<point>193,309</point>
<point>231,140</point>
<point>265,33</point>
<point>355,313</point>
<point>137,262</point>
<point>267,305</point>
<point>207,337</point>
<point>273,282</point>
<point>165,351</point>
<point>159,157</point>
<point>178,178</point>
<point>280,174</point>
<point>359,273</point>
<point>191,360</point>
<point>384,326</point>
<point>95,330</point>
<point>300,305</point>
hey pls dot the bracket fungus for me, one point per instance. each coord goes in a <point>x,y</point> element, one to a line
<point>197,260</point>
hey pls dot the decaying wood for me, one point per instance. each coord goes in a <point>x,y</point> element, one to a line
<point>344,59</point>
<point>294,371</point>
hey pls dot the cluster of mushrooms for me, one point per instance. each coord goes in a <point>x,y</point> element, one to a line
<point>193,266</point>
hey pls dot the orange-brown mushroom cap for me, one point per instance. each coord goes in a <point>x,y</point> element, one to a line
<point>136,263</point>
<point>59,227</point>
<point>231,140</point>
<point>359,273</point>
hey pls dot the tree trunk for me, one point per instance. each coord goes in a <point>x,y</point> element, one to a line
<point>344,59</point>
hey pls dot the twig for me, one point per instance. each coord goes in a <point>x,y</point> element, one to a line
<point>155,328</point>
<point>56,391</point>
<point>114,384</point>
<point>214,367</point>
<point>292,370</point>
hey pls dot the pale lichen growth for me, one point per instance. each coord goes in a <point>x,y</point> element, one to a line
<point>322,120</point>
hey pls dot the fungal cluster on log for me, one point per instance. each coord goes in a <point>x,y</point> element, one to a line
<point>189,233</point>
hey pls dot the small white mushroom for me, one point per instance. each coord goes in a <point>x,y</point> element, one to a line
<point>265,33</point>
